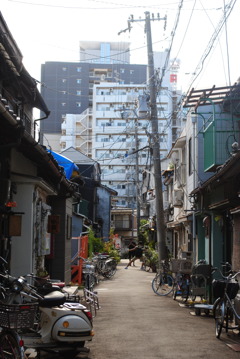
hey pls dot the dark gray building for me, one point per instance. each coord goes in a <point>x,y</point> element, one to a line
<point>67,86</point>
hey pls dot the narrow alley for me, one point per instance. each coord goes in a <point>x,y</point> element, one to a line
<point>134,322</point>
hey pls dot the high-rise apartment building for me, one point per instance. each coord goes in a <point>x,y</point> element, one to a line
<point>67,87</point>
<point>86,100</point>
<point>118,136</point>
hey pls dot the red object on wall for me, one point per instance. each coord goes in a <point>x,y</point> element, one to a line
<point>173,78</point>
<point>83,252</point>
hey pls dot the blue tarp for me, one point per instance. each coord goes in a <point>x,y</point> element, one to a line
<point>68,165</point>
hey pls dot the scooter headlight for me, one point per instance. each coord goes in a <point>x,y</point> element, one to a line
<point>16,286</point>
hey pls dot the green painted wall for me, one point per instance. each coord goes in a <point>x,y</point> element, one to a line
<point>217,241</point>
<point>201,238</point>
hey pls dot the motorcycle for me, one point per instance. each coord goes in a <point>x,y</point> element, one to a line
<point>60,326</point>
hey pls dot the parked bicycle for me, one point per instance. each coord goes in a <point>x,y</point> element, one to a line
<point>11,345</point>
<point>224,310</point>
<point>105,265</point>
<point>89,274</point>
<point>12,318</point>
<point>162,283</point>
<point>181,286</point>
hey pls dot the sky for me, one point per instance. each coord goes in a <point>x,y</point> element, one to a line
<point>50,30</point>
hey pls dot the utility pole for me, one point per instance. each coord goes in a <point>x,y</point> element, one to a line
<point>160,222</point>
<point>137,176</point>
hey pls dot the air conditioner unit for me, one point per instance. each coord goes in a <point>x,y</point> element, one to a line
<point>178,198</point>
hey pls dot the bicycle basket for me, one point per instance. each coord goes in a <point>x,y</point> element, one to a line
<point>186,266</point>
<point>218,287</point>
<point>181,265</point>
<point>175,265</point>
<point>16,316</point>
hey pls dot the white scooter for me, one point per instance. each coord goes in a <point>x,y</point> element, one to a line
<point>62,327</point>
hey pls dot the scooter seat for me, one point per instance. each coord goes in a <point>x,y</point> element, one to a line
<point>53,299</point>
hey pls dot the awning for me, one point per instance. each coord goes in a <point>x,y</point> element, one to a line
<point>174,224</point>
<point>68,165</point>
<point>178,223</point>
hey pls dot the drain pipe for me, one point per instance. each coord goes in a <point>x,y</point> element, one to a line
<point>194,121</point>
<point>34,125</point>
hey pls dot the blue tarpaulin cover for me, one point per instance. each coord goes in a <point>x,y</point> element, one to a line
<point>68,165</point>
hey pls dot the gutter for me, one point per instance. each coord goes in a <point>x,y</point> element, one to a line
<point>12,121</point>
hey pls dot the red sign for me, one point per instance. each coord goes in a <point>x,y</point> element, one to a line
<point>11,204</point>
<point>173,78</point>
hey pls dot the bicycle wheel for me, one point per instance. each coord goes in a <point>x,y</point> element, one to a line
<point>219,314</point>
<point>110,269</point>
<point>10,346</point>
<point>162,284</point>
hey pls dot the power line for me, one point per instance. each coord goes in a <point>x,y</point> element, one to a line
<point>212,40</point>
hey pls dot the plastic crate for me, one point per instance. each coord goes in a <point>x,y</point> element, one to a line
<point>16,316</point>
<point>218,287</point>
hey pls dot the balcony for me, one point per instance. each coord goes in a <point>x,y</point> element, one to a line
<point>122,225</point>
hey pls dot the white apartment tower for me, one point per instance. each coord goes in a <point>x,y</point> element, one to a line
<point>114,134</point>
<point>120,137</point>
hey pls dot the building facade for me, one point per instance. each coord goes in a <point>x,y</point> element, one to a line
<point>68,88</point>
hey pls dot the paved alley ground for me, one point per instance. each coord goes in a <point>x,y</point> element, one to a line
<point>135,323</point>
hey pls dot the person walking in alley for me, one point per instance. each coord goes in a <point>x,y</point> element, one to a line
<point>138,254</point>
<point>131,250</point>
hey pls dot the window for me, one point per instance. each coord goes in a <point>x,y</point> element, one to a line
<point>190,159</point>
<point>64,80</point>
<point>122,71</point>
<point>131,72</point>
<point>79,81</point>
<point>79,69</point>
<point>79,93</point>
<point>78,104</point>
<point>64,68</point>
<point>64,92</point>
<point>121,186</point>
<point>100,138</point>
<point>63,103</point>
